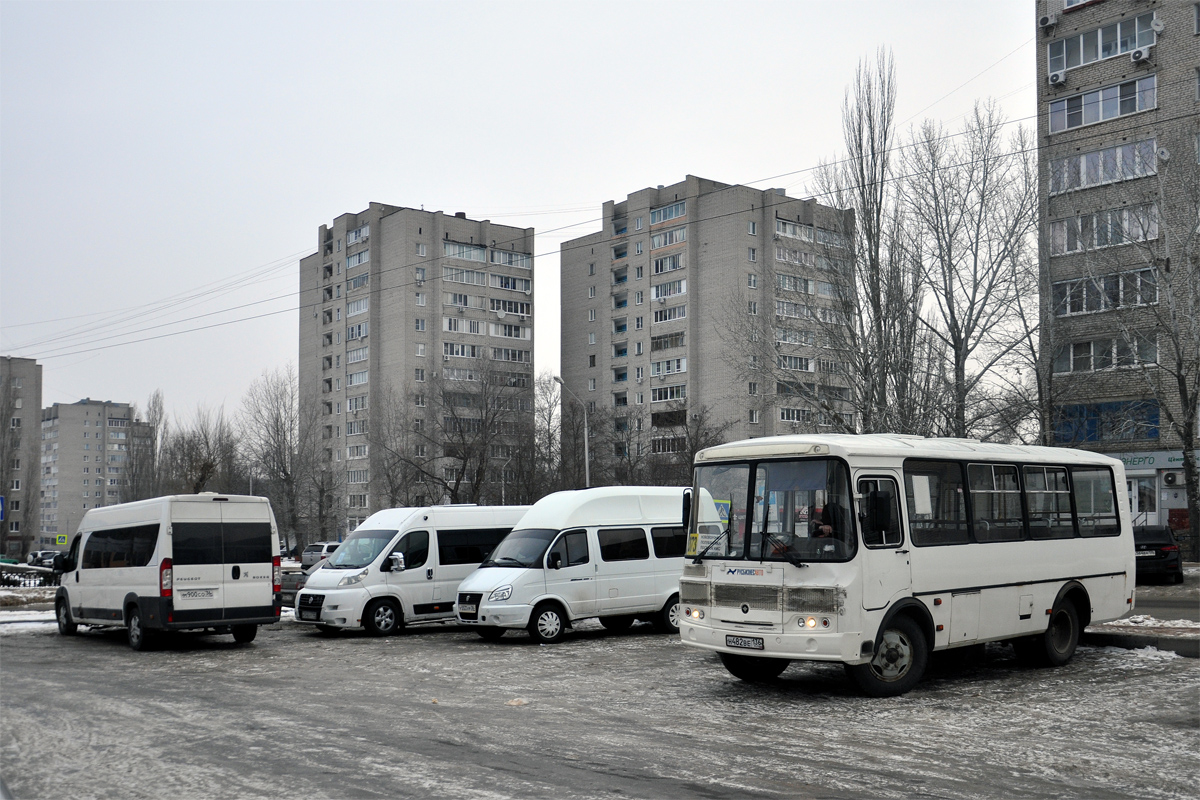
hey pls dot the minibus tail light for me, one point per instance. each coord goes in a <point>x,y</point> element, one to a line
<point>166,578</point>
<point>276,575</point>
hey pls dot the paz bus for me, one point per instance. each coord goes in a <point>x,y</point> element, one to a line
<point>876,550</point>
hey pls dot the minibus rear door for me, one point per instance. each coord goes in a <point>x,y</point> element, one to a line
<point>248,560</point>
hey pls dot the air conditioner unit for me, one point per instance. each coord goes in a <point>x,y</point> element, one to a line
<point>639,380</point>
<point>662,300</point>
<point>1140,54</point>
<point>528,292</point>
<point>1172,478</point>
<point>1048,21</point>
<point>445,357</point>
<point>1058,78</point>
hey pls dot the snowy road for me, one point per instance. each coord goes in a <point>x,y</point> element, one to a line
<point>432,714</point>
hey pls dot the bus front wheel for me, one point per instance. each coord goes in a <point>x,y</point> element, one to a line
<point>754,669</point>
<point>901,656</point>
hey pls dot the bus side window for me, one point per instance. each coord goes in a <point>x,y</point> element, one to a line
<point>880,513</point>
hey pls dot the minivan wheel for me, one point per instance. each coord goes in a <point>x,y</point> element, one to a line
<point>139,637</point>
<point>66,626</point>
<point>381,618</point>
<point>667,619</point>
<point>617,624</point>
<point>547,625</point>
<point>244,634</point>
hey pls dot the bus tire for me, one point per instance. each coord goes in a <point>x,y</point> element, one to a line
<point>547,624</point>
<point>382,618</point>
<point>901,656</point>
<point>667,619</point>
<point>754,669</point>
<point>1056,646</point>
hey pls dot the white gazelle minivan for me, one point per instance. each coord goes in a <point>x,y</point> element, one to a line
<point>614,552</point>
<point>173,563</point>
<point>402,565</point>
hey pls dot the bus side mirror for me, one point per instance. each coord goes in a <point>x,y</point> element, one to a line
<point>556,561</point>
<point>687,507</point>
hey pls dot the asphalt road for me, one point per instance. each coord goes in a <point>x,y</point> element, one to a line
<point>440,713</point>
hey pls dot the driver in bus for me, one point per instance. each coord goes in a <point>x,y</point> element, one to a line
<point>832,521</point>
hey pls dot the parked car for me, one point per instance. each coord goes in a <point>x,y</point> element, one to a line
<point>41,558</point>
<point>317,551</point>
<point>294,580</point>
<point>1157,553</point>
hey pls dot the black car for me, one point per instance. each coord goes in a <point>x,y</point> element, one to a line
<point>1157,553</point>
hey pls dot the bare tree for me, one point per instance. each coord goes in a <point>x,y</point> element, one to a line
<point>399,456</point>
<point>972,202</point>
<point>202,455</point>
<point>147,440</point>
<point>320,481</point>
<point>672,457</point>
<point>269,425</point>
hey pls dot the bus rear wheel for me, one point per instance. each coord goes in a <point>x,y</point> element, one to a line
<point>754,669</point>
<point>901,656</point>
<point>1056,646</point>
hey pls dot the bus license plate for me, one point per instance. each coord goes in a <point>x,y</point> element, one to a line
<point>747,642</point>
<point>467,608</point>
<point>308,615</point>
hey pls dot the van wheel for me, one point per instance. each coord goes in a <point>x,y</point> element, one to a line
<point>139,637</point>
<point>547,624</point>
<point>66,626</point>
<point>667,619</point>
<point>617,624</point>
<point>382,618</point>
<point>328,630</point>
<point>1056,646</point>
<point>244,634</point>
<point>754,669</point>
<point>491,634</point>
<point>901,656</point>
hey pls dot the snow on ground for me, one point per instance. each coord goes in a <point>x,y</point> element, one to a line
<point>24,595</point>
<point>1146,621</point>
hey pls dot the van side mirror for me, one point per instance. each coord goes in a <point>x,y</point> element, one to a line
<point>556,561</point>
<point>59,564</point>
<point>396,562</point>
<point>687,508</point>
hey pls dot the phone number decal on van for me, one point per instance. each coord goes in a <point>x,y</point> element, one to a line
<point>196,594</point>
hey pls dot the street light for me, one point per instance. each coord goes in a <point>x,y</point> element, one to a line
<point>587,470</point>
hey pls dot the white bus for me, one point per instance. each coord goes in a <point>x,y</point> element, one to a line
<point>952,543</point>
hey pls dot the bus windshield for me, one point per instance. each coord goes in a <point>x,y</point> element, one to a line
<point>360,549</point>
<point>521,548</point>
<point>796,511</point>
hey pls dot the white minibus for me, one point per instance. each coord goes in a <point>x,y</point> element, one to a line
<point>875,550</point>
<point>401,566</point>
<point>173,563</point>
<point>614,552</point>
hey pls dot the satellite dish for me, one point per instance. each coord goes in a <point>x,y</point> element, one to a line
<point>500,313</point>
<point>1157,25</point>
<point>1164,154</point>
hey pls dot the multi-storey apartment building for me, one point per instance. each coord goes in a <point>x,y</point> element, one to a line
<point>1118,127</point>
<point>704,299</point>
<point>20,410</point>
<point>84,460</point>
<point>416,352</point>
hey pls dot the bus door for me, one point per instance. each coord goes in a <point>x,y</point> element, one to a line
<point>884,558</point>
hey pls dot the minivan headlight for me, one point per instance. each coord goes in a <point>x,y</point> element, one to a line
<point>350,580</point>
<point>503,593</point>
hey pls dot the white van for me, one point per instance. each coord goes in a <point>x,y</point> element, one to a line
<point>402,565</point>
<point>615,553</point>
<point>173,563</point>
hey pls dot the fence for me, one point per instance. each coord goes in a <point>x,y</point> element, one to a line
<point>23,575</point>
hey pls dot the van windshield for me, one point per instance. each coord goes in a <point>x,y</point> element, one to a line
<point>521,548</point>
<point>360,549</point>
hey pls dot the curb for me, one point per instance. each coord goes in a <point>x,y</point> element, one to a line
<point>1186,646</point>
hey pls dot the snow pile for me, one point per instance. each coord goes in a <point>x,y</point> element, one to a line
<point>27,622</point>
<point>1147,621</point>
<point>25,595</point>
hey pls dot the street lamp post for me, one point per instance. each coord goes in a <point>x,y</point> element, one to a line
<point>587,470</point>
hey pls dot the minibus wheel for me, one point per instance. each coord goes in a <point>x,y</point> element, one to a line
<point>901,656</point>
<point>667,619</point>
<point>547,624</point>
<point>382,618</point>
<point>244,634</point>
<point>66,626</point>
<point>617,624</point>
<point>754,669</point>
<point>139,637</point>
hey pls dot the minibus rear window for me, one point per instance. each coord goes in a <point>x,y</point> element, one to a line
<point>247,542</point>
<point>196,543</point>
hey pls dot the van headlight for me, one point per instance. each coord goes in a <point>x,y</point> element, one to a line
<point>350,580</point>
<point>503,593</point>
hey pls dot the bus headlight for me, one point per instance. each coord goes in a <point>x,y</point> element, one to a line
<point>503,593</point>
<point>694,613</point>
<point>811,622</point>
<point>350,580</point>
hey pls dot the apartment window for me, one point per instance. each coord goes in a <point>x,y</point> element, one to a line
<point>592,361</point>
<point>512,307</point>
<point>752,308</point>
<point>752,254</point>
<point>1117,290</point>
<point>1109,102</point>
<point>592,316</point>
<point>800,258</point>
<point>358,281</point>
<point>419,401</point>
<point>637,349</point>
<point>467,252</point>
<point>752,229</point>
<point>639,373</point>
<point>790,336</point>
<point>637,224</point>
<point>356,355</point>
<point>637,273</point>
<point>356,403</point>
<point>509,258</point>
<point>668,289</point>
<point>358,258</point>
<point>591,269</point>
<point>419,375</point>
<point>420,298</point>
<point>420,250</point>
<point>1107,228</point>
<point>637,323</point>
<point>1106,353</point>
<point>591,292</point>
<point>1129,420</point>
<point>784,308</point>
<point>753,416</point>
<point>592,336</point>
<point>511,354</point>
<point>468,276</point>
<point>794,230</point>
<point>419,324</point>
<point>511,284</point>
<point>356,427</point>
<point>1109,165</point>
<point>795,363</point>
<point>667,238</point>
<point>751,280</point>
<point>670,366</point>
<point>637,298</point>
<point>667,213</point>
<point>420,349</point>
<point>16,484</point>
<point>637,248</point>
<point>591,384</point>
<point>666,341</point>
<point>419,272</point>
<point>664,394</point>
<point>752,388</point>
<point>505,331</point>
<point>1100,43</point>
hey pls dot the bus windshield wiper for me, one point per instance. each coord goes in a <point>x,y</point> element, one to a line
<point>699,557</point>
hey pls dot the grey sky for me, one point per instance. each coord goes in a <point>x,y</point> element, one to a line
<point>152,152</point>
